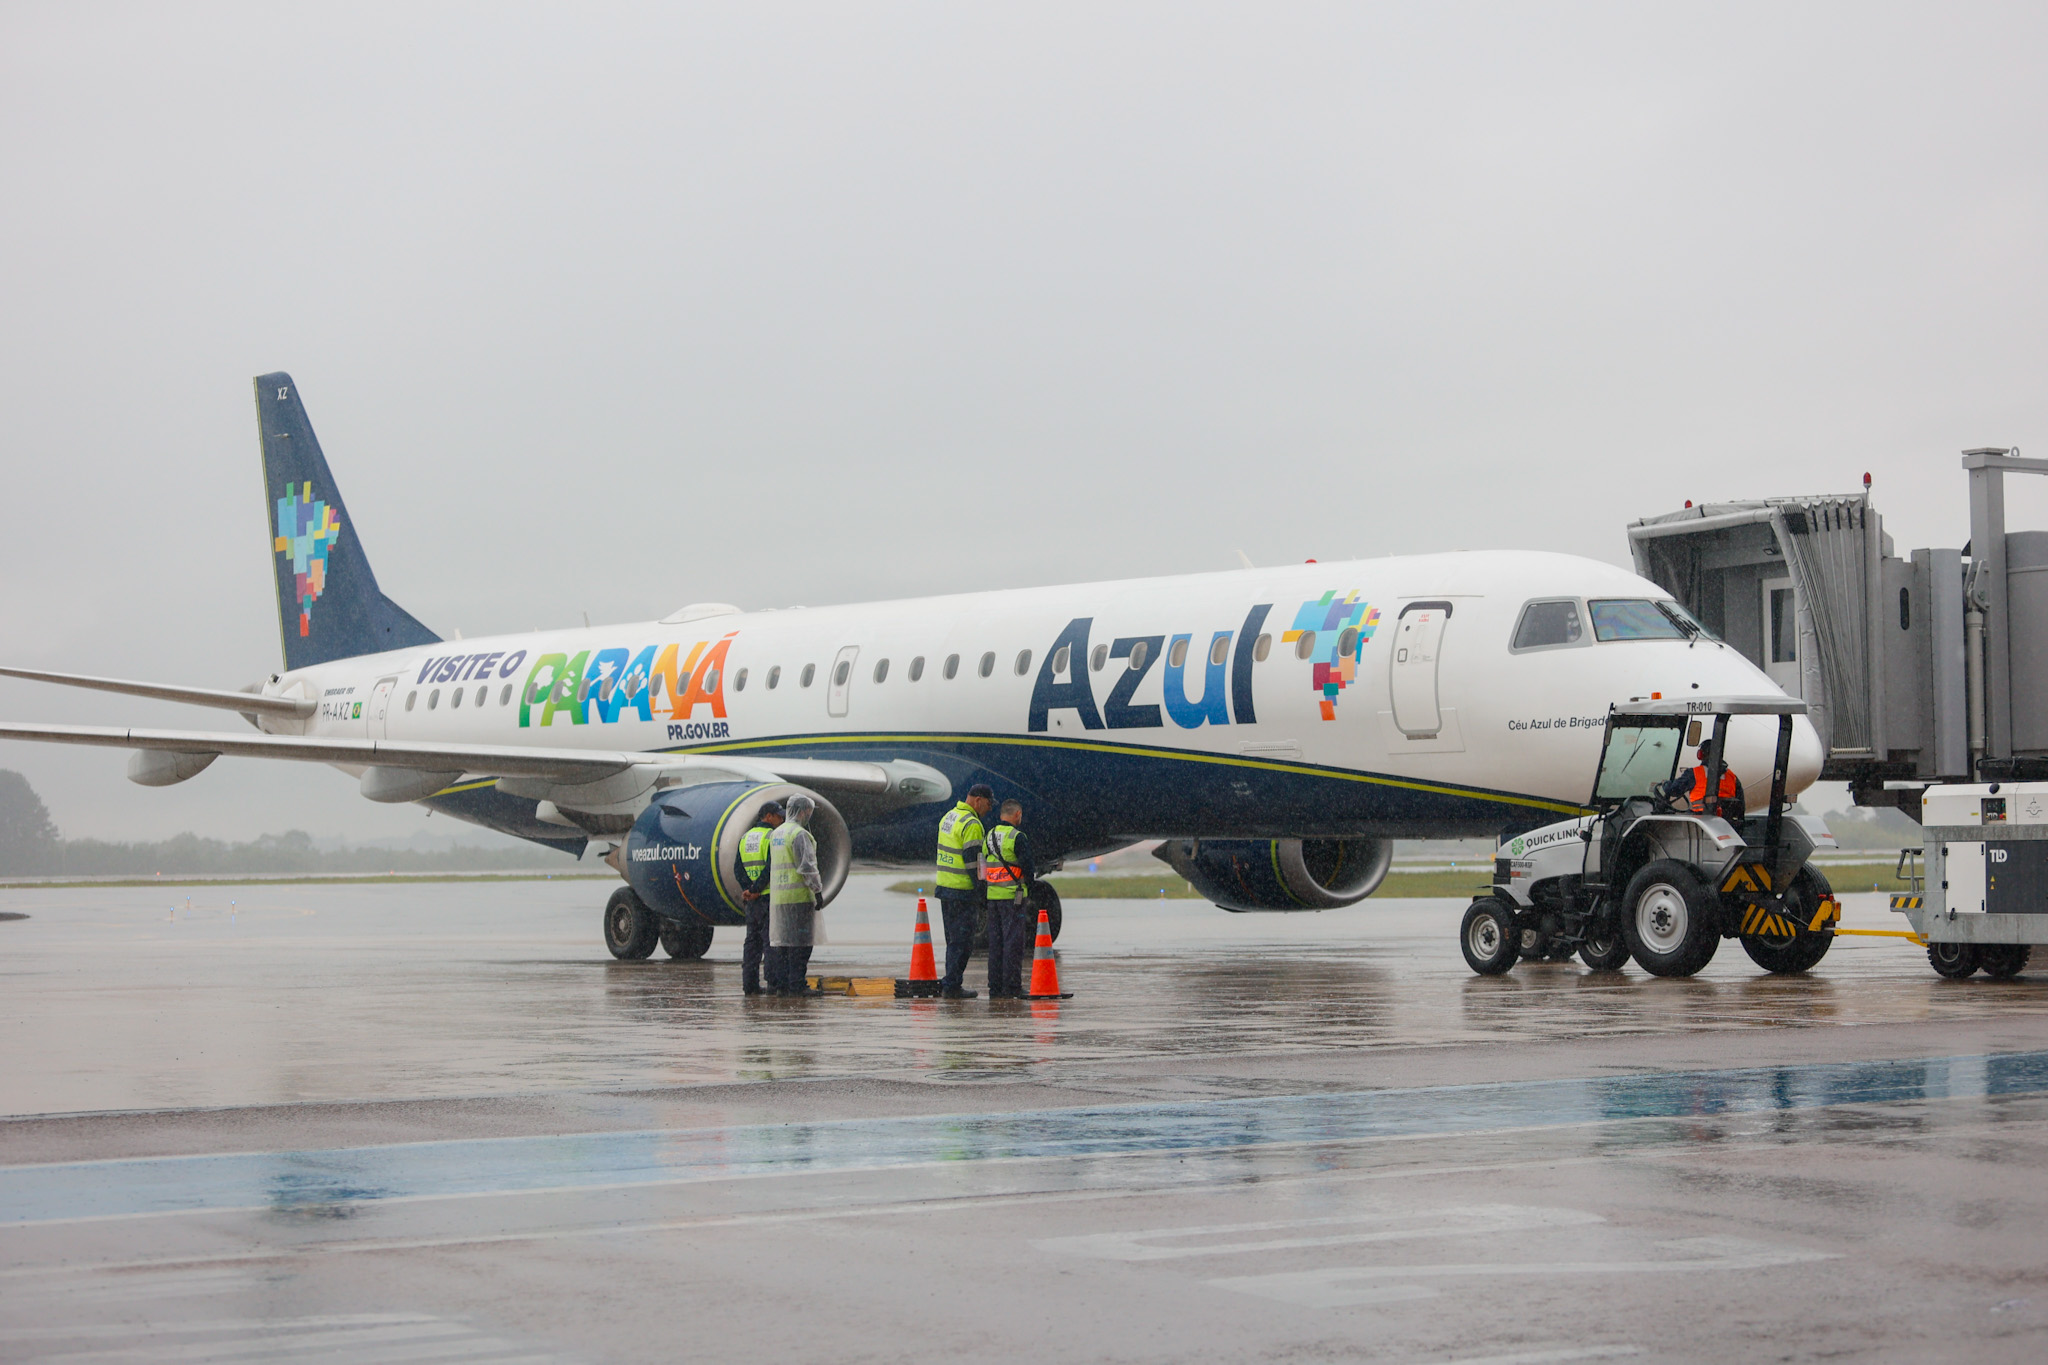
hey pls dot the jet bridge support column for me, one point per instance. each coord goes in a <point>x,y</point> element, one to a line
<point>1987,467</point>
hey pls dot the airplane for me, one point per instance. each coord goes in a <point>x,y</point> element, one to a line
<point>1277,728</point>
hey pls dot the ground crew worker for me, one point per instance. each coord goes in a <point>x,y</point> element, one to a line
<point>752,867</point>
<point>959,885</point>
<point>1008,871</point>
<point>794,887</point>
<point>1689,790</point>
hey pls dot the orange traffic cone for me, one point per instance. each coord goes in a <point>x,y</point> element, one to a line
<point>1045,968</point>
<point>924,973</point>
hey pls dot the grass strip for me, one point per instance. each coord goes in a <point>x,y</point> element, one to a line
<point>309,879</point>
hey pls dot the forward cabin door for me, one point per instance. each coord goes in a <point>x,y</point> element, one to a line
<point>841,681</point>
<point>380,703</point>
<point>1418,639</point>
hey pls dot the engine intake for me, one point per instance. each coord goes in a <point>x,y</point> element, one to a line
<point>680,854</point>
<point>1280,874</point>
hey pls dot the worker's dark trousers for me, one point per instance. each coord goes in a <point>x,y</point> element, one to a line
<point>958,910</point>
<point>787,968</point>
<point>756,945</point>
<point>1009,946</point>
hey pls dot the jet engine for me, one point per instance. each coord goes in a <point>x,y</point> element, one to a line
<point>680,855</point>
<point>1280,874</point>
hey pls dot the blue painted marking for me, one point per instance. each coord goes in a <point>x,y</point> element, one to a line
<point>354,1175</point>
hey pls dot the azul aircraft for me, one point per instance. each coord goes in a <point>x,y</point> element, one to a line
<point>1279,728</point>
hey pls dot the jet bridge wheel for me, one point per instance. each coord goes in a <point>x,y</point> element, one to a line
<point>1795,952</point>
<point>1672,919</point>
<point>1952,960</point>
<point>686,942</point>
<point>1489,936</point>
<point>630,928</point>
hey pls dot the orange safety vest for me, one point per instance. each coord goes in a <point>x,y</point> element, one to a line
<point>1697,797</point>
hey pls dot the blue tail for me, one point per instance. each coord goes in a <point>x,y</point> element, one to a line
<point>327,599</point>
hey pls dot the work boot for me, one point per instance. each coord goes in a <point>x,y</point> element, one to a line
<point>955,993</point>
<point>750,989</point>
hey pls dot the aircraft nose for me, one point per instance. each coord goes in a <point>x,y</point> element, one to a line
<point>1802,770</point>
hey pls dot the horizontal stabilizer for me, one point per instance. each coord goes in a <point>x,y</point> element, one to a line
<point>249,703</point>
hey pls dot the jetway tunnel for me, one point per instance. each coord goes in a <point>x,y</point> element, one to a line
<point>1931,667</point>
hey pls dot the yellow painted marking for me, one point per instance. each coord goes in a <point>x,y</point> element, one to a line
<point>1885,933</point>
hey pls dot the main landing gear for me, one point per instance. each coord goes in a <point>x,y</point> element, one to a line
<point>632,931</point>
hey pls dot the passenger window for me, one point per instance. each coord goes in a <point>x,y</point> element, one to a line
<point>881,670</point>
<point>1305,645</point>
<point>917,668</point>
<point>1139,653</point>
<point>1546,625</point>
<point>1219,649</point>
<point>710,680</point>
<point>841,673</point>
<point>774,676</point>
<point>1023,662</point>
<point>1263,647</point>
<point>810,672</point>
<point>505,697</point>
<point>483,694</point>
<point>433,699</point>
<point>410,698</point>
<point>1100,657</point>
<point>952,666</point>
<point>1628,619</point>
<point>988,663</point>
<point>455,700</point>
<point>1060,657</point>
<point>1347,641</point>
<point>1177,657</point>
<point>739,681</point>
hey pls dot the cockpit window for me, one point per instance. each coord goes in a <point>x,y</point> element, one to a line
<point>1547,625</point>
<point>1687,622</point>
<point>1632,619</point>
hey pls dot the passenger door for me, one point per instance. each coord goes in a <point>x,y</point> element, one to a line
<point>841,681</point>
<point>1411,684</point>
<point>380,703</point>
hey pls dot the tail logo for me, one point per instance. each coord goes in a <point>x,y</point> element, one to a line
<point>306,530</point>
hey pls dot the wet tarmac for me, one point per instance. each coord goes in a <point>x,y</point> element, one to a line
<point>437,1123</point>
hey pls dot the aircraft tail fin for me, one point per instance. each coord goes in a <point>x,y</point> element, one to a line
<point>328,604</point>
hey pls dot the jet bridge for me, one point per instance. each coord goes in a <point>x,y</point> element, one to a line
<point>1927,668</point>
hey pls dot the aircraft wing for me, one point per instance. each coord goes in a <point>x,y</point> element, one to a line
<point>249,703</point>
<point>563,767</point>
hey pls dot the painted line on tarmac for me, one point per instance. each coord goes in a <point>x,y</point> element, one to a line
<point>334,1180</point>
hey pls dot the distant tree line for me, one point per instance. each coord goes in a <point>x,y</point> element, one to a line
<point>30,846</point>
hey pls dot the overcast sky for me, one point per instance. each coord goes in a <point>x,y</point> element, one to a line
<point>613,309</point>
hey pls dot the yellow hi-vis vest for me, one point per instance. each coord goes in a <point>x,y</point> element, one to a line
<point>998,863</point>
<point>754,850</point>
<point>785,887</point>
<point>959,830</point>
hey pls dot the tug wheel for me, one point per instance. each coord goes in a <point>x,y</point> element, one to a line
<point>630,929</point>
<point>1489,938</point>
<point>1952,960</point>
<point>2003,961</point>
<point>1672,920</point>
<point>685,941</point>
<point>1795,952</point>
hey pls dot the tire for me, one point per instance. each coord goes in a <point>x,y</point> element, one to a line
<point>1489,937</point>
<point>1801,952</point>
<point>1045,896</point>
<point>1606,951</point>
<point>2003,961</point>
<point>1673,922</point>
<point>1952,960</point>
<point>685,942</point>
<point>630,928</point>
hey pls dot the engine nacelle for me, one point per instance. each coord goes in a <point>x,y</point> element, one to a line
<point>680,854</point>
<point>1281,874</point>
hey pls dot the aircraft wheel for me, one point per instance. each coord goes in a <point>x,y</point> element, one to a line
<point>1794,952</point>
<point>1045,895</point>
<point>630,929</point>
<point>2003,961</point>
<point>1489,937</point>
<point>1672,920</point>
<point>1606,951</point>
<point>685,941</point>
<point>1952,960</point>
